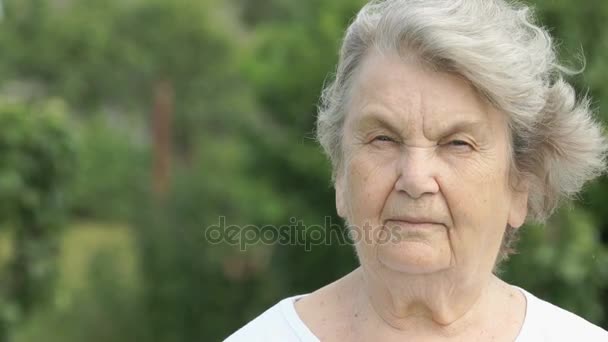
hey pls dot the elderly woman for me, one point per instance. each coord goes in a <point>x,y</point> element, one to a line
<point>448,125</point>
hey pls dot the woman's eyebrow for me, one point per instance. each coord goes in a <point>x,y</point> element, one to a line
<point>373,121</point>
<point>472,126</point>
<point>475,127</point>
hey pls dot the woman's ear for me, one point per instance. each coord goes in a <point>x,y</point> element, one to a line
<point>519,205</point>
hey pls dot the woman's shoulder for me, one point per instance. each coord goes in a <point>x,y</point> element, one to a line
<point>547,322</point>
<point>279,323</point>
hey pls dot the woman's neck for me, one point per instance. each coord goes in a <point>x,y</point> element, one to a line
<point>361,308</point>
<point>429,303</point>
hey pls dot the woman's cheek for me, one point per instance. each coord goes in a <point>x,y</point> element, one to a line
<point>368,186</point>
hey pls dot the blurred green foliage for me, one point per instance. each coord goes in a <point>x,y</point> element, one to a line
<point>113,169</point>
<point>37,161</point>
<point>246,75</point>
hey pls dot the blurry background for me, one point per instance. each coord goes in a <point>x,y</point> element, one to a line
<point>129,126</point>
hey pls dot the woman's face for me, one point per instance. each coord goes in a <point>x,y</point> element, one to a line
<point>423,146</point>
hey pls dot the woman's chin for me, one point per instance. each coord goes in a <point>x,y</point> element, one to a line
<point>413,257</point>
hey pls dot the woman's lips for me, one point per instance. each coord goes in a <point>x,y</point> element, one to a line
<point>412,223</point>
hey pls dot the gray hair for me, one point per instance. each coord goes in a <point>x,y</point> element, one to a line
<point>555,142</point>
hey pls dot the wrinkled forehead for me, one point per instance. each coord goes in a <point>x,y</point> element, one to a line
<point>404,93</point>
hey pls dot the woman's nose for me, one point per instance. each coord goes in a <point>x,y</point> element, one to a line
<point>417,172</point>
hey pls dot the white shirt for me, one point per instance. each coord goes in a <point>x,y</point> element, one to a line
<point>543,322</point>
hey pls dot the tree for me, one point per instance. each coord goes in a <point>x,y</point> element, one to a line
<point>37,161</point>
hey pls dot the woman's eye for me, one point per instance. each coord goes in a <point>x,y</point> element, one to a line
<point>459,143</point>
<point>383,138</point>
